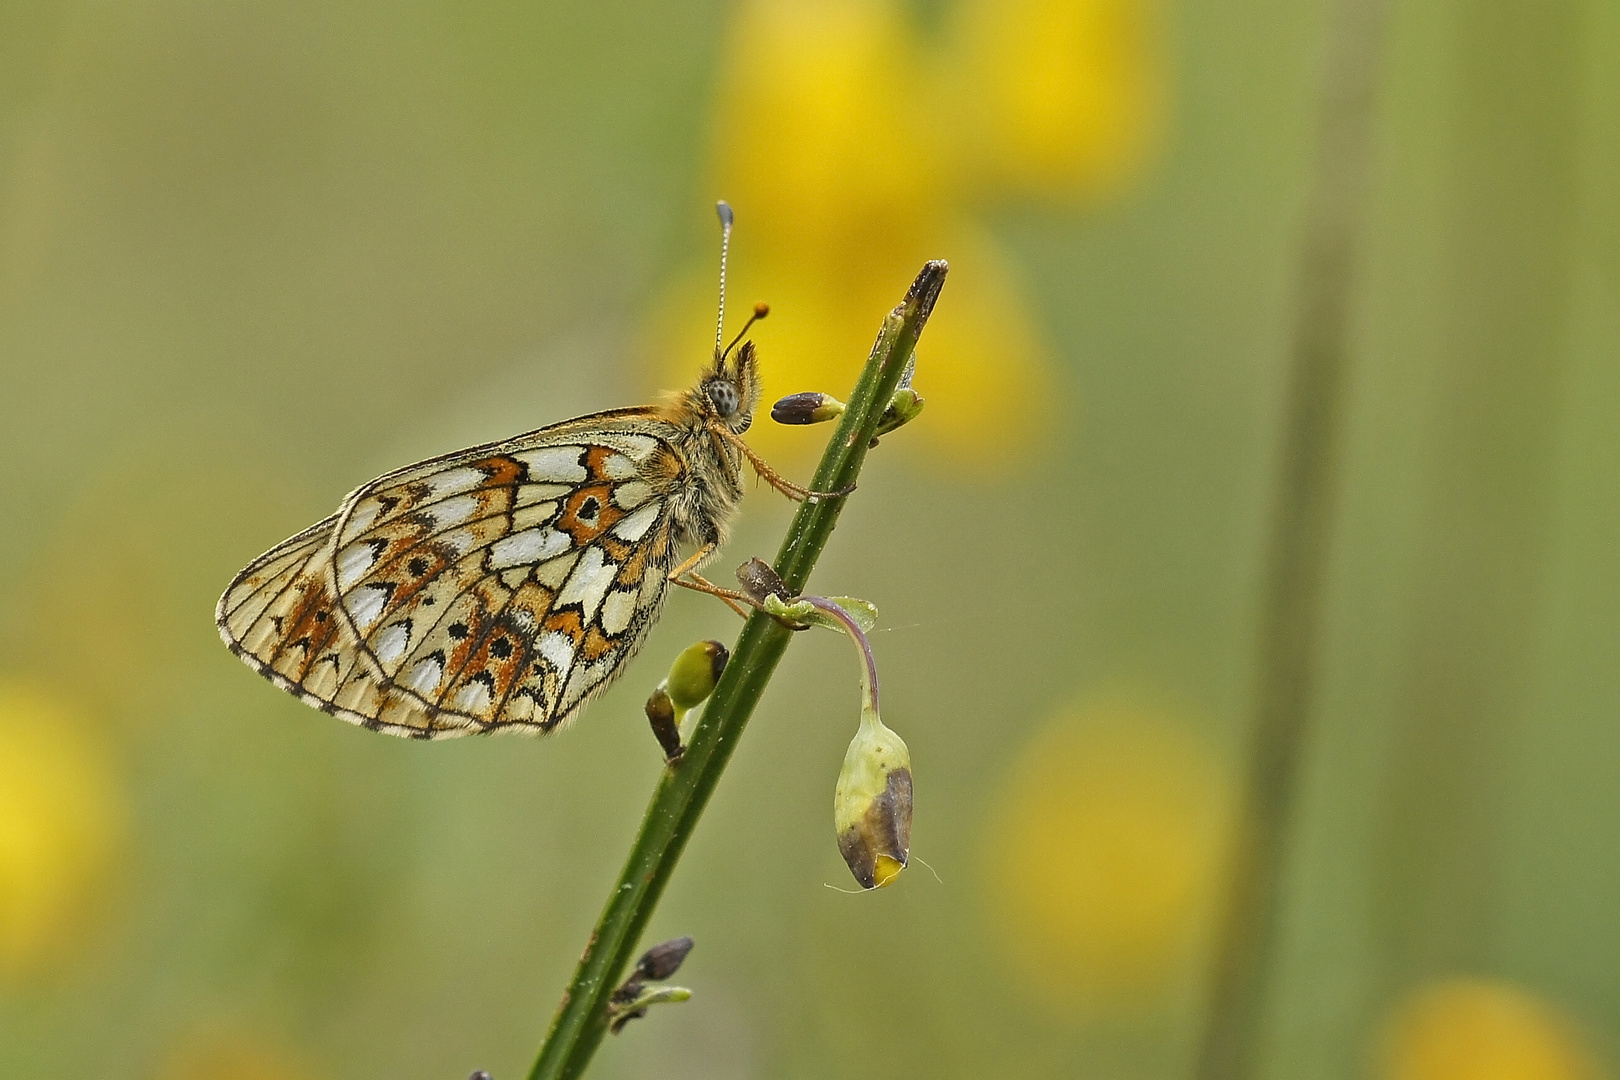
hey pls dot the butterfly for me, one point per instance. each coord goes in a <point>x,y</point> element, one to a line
<point>501,587</point>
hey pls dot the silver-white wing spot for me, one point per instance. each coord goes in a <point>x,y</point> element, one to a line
<point>453,512</point>
<point>528,546</point>
<point>455,481</point>
<point>617,609</point>
<point>424,677</point>
<point>354,560</point>
<point>558,651</point>
<point>366,604</point>
<point>558,464</point>
<point>393,641</point>
<point>635,526</point>
<point>589,582</point>
<point>619,467</point>
<point>637,446</point>
<point>473,697</point>
<point>586,678</point>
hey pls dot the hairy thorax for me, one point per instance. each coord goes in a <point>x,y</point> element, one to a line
<point>707,493</point>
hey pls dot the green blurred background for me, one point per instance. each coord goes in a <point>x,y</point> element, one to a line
<point>252,255</point>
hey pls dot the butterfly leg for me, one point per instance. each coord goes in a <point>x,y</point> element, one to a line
<point>771,476</point>
<point>699,583</point>
<point>687,577</point>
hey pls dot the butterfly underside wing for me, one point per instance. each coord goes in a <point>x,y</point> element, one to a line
<point>498,588</point>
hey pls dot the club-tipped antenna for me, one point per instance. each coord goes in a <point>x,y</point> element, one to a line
<point>760,311</point>
<point>722,208</point>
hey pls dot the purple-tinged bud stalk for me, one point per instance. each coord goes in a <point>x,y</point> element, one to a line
<point>872,801</point>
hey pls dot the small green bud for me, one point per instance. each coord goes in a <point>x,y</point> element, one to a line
<point>903,409</point>
<point>872,803</point>
<point>692,678</point>
<point>693,675</point>
<point>807,408</point>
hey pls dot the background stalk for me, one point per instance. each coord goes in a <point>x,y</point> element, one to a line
<point>1298,544</point>
<point>683,789</point>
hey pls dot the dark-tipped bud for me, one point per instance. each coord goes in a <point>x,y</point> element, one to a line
<point>663,960</point>
<point>759,580</point>
<point>694,674</point>
<point>807,408</point>
<point>666,728</point>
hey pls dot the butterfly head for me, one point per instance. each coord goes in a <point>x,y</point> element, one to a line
<point>730,389</point>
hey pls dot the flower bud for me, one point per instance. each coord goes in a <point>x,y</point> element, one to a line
<point>760,581</point>
<point>692,678</point>
<point>903,409</point>
<point>872,804</point>
<point>663,960</point>
<point>807,408</point>
<point>693,675</point>
<point>666,729</point>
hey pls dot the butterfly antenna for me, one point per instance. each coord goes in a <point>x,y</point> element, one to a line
<point>760,311</point>
<point>722,208</point>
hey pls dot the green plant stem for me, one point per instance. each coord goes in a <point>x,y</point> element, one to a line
<point>1298,545</point>
<point>683,789</point>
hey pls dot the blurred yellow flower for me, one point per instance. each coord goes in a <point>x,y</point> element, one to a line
<point>1057,98</point>
<point>1483,1029</point>
<point>850,154</point>
<point>60,817</point>
<point>232,1057</point>
<point>1100,854</point>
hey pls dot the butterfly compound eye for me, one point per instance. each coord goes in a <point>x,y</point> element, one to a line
<point>723,396</point>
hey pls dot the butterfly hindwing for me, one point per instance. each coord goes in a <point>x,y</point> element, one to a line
<point>277,613</point>
<point>504,586</point>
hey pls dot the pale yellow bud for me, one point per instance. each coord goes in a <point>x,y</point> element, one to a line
<point>872,804</point>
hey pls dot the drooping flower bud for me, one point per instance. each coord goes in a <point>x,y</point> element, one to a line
<point>872,800</point>
<point>872,804</point>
